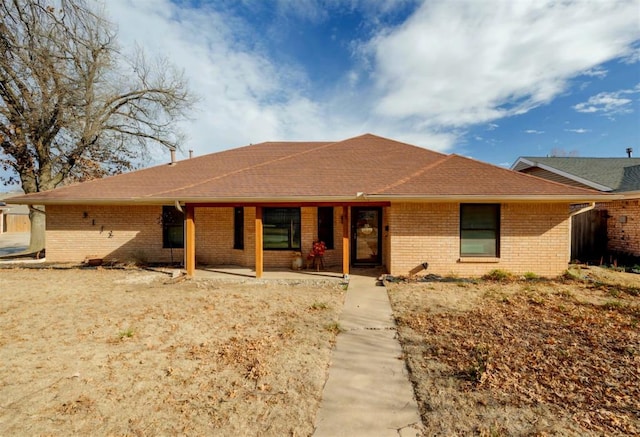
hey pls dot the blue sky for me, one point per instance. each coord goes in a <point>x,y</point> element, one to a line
<point>489,79</point>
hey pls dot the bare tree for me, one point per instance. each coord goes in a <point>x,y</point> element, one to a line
<point>557,152</point>
<point>72,106</point>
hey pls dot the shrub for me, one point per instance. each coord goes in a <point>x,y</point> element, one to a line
<point>530,276</point>
<point>498,276</point>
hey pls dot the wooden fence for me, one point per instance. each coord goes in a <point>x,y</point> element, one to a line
<point>589,235</point>
<point>16,223</point>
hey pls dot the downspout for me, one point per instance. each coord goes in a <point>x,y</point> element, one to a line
<point>178,207</point>
<point>583,210</point>
<point>184,233</point>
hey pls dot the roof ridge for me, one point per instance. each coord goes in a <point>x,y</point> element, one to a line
<point>322,145</point>
<point>404,143</point>
<point>240,170</point>
<point>415,174</point>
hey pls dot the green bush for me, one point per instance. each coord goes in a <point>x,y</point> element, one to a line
<point>530,276</point>
<point>498,276</point>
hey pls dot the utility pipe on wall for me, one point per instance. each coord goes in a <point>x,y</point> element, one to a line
<point>583,210</point>
<point>178,207</point>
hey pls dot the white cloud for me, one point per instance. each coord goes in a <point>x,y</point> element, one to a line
<point>245,97</point>
<point>633,56</point>
<point>617,102</point>
<point>457,63</point>
<point>598,72</point>
<point>533,131</point>
<point>578,131</point>
<point>450,65</point>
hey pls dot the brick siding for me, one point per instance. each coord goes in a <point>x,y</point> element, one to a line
<point>134,233</point>
<point>122,233</point>
<point>623,226</point>
<point>534,237</point>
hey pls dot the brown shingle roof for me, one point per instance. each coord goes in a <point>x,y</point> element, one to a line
<point>283,171</point>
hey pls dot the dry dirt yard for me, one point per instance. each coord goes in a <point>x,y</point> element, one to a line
<point>132,352</point>
<point>524,357</point>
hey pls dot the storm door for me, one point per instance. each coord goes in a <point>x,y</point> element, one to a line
<point>366,244</point>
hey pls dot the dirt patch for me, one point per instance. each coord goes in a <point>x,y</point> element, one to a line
<point>538,357</point>
<point>108,352</point>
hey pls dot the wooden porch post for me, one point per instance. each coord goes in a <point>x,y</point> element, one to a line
<point>259,243</point>
<point>190,240</point>
<point>346,231</point>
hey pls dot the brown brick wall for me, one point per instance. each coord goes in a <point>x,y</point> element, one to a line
<point>623,226</point>
<point>534,238</point>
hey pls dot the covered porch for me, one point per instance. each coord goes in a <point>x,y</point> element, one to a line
<point>349,227</point>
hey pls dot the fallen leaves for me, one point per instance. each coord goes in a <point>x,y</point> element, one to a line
<point>250,354</point>
<point>538,346</point>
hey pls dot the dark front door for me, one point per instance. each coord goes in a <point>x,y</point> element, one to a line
<point>366,244</point>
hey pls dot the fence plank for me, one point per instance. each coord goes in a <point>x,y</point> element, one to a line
<point>589,235</point>
<point>17,223</point>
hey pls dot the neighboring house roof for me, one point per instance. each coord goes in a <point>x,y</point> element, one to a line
<point>604,174</point>
<point>11,208</point>
<point>365,167</point>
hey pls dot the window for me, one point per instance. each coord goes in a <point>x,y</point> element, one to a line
<point>238,228</point>
<point>325,225</point>
<point>172,228</point>
<point>281,228</point>
<point>480,230</point>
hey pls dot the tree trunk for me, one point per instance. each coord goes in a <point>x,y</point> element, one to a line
<point>38,221</point>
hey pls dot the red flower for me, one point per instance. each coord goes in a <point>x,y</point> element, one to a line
<point>318,249</point>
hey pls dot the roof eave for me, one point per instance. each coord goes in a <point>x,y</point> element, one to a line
<point>523,163</point>
<point>192,200</point>
<point>486,198</point>
<point>631,194</point>
<point>355,198</point>
<point>528,164</point>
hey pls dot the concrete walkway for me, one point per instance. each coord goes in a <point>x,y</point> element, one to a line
<point>13,242</point>
<point>368,392</point>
